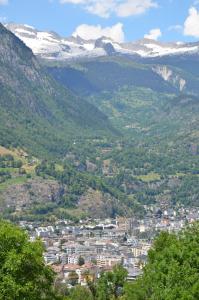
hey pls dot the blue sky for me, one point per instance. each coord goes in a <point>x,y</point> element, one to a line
<point>127,20</point>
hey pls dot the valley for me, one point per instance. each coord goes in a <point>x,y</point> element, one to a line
<point>98,136</point>
<point>99,150</point>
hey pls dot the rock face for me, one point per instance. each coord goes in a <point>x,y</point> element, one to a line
<point>98,205</point>
<point>164,72</point>
<point>42,192</point>
<point>24,196</point>
<point>90,167</point>
<point>170,76</point>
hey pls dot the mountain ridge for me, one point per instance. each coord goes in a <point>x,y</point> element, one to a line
<point>51,46</point>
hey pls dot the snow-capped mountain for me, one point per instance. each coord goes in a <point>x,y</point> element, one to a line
<point>152,48</point>
<point>50,45</point>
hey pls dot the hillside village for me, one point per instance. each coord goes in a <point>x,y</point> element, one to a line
<point>81,252</point>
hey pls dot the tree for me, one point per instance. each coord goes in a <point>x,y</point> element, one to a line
<point>81,261</point>
<point>23,274</point>
<point>172,271</point>
<point>80,293</point>
<point>110,284</point>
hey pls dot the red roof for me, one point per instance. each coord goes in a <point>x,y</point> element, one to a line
<point>71,267</point>
<point>57,268</point>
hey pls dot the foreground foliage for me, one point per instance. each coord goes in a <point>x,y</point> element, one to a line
<point>108,287</point>
<point>172,271</point>
<point>23,274</point>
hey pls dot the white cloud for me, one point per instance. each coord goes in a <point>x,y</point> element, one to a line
<point>178,28</point>
<point>153,34</point>
<point>122,8</point>
<point>3,2</point>
<point>134,7</point>
<point>93,32</point>
<point>100,8</point>
<point>191,25</point>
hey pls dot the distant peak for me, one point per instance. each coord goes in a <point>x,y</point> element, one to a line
<point>50,45</point>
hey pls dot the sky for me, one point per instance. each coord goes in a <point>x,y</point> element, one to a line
<point>122,20</point>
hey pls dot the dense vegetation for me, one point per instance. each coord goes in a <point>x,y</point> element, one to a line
<point>34,105</point>
<point>75,184</point>
<point>94,75</point>
<point>156,159</point>
<point>108,74</point>
<point>23,274</point>
<point>67,181</point>
<point>120,174</point>
<point>172,271</point>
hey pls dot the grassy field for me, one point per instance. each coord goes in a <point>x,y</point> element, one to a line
<point>149,177</point>
<point>10,170</point>
<point>13,181</point>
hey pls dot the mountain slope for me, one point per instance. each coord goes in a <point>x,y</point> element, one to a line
<point>108,74</point>
<point>111,73</point>
<point>36,112</point>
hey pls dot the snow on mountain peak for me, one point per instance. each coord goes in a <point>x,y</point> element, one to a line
<point>50,45</point>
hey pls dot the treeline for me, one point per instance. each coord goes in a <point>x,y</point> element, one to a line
<point>8,161</point>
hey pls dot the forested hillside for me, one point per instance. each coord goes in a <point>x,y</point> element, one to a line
<point>156,159</point>
<point>101,137</point>
<point>166,75</point>
<point>36,112</point>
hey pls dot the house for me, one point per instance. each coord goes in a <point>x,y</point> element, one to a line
<point>108,260</point>
<point>44,231</point>
<point>80,273</point>
<point>70,248</point>
<point>72,259</point>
